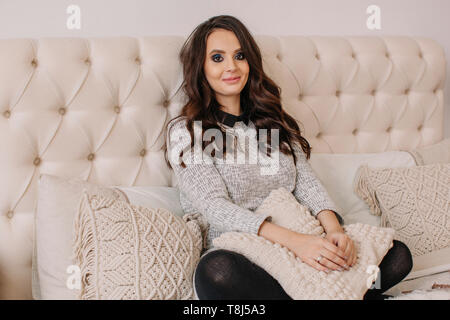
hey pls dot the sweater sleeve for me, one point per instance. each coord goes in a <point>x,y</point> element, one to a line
<point>203,185</point>
<point>309,191</point>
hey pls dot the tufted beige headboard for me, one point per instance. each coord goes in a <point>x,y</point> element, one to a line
<point>96,108</point>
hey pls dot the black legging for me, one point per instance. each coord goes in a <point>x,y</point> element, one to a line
<point>224,275</point>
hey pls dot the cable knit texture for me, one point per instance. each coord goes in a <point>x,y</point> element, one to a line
<point>414,201</point>
<point>131,252</point>
<point>298,279</point>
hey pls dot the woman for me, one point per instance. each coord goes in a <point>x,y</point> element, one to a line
<point>229,92</point>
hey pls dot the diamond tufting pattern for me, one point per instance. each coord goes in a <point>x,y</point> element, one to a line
<point>64,99</point>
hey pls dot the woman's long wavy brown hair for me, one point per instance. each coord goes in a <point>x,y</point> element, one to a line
<point>260,98</point>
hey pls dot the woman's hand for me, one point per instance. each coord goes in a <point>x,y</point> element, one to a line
<point>308,248</point>
<point>345,243</point>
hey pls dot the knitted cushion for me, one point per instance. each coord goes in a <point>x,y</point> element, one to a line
<point>416,203</point>
<point>132,252</point>
<point>298,279</point>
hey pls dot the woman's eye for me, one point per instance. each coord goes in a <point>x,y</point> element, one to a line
<point>240,54</point>
<point>216,57</point>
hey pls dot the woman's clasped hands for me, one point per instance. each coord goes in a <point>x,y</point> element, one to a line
<point>336,251</point>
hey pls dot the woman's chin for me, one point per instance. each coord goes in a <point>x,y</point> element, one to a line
<point>231,90</point>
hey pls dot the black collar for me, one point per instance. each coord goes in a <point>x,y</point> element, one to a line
<point>229,119</point>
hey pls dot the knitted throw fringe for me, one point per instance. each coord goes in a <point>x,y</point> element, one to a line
<point>85,250</point>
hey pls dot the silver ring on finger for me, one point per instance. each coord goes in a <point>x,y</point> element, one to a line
<point>319,258</point>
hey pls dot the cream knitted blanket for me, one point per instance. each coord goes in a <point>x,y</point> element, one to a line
<point>298,279</point>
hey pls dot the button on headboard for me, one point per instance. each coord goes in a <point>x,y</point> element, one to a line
<point>361,94</point>
<point>96,108</point>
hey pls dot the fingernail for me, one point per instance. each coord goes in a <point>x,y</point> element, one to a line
<point>345,266</point>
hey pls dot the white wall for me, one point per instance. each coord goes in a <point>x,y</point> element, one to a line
<point>47,18</point>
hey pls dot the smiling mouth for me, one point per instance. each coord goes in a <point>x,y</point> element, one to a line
<point>235,79</point>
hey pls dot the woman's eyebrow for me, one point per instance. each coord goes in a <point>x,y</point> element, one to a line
<point>221,51</point>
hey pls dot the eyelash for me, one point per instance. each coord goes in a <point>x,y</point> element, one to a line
<point>220,55</point>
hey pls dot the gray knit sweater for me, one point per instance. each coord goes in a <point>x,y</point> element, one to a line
<point>227,194</point>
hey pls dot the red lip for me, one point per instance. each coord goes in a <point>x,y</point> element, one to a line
<point>233,78</point>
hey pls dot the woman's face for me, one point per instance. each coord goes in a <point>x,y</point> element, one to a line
<point>224,60</point>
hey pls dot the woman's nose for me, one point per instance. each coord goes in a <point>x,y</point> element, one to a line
<point>230,65</point>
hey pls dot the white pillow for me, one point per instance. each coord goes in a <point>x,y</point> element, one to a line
<point>57,205</point>
<point>58,200</point>
<point>155,197</point>
<point>337,172</point>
